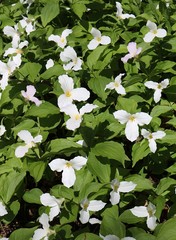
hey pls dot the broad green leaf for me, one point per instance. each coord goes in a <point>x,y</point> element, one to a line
<point>159,110</point>
<point>142,182</point>
<point>12,211</point>
<point>170,137</point>
<point>164,185</point>
<point>26,124</point>
<point>167,230</point>
<point>94,56</point>
<point>69,213</point>
<point>31,70</point>
<point>22,233</point>
<point>61,191</point>
<point>165,66</point>
<point>88,236</point>
<point>127,104</point>
<point>139,151</point>
<point>33,196</point>
<point>160,204</point>
<point>49,12</point>
<point>56,70</point>
<point>36,169</point>
<point>79,7</point>
<point>129,218</point>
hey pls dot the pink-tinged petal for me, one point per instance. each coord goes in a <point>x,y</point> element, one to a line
<point>26,136</point>
<point>78,162</point>
<point>39,234</point>
<point>120,90</point>
<point>73,124</point>
<point>138,51</point>
<point>80,94</point>
<point>122,116</point>
<point>161,33</point>
<point>3,210</point>
<point>66,83</point>
<point>158,135</point>
<point>126,186</point>
<point>70,110</point>
<point>126,58</point>
<point>105,40</point>
<point>87,108</point>
<point>152,145</point>
<point>114,197</point>
<point>132,47</point>
<point>132,131</point>
<point>47,200</point>
<point>140,211</point>
<point>145,133</point>
<point>96,205</point>
<point>157,95</point>
<point>21,151</point>
<point>54,38</point>
<point>93,44</point>
<point>151,222</point>
<point>36,101</point>
<point>149,37</point>
<point>54,211</point>
<point>66,32</point>
<point>84,216</point>
<point>38,139</point>
<point>68,176</point>
<point>151,85</point>
<point>151,25</point>
<point>142,118</point>
<point>96,33</point>
<point>57,164</point>
<point>63,101</point>
<point>165,83</point>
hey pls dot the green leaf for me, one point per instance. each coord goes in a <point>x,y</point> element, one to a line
<point>56,70</point>
<point>26,124</point>
<point>31,70</point>
<point>33,196</point>
<point>94,56</point>
<point>127,104</point>
<point>164,185</point>
<point>49,12</point>
<point>167,230</point>
<point>22,233</point>
<point>142,182</point>
<point>139,151</point>
<point>159,110</point>
<point>36,169</point>
<point>88,236</point>
<point>129,218</point>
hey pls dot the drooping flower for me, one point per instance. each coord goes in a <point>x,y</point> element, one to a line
<point>44,232</point>
<point>133,52</point>
<point>29,140</point>
<point>29,95</point>
<point>69,56</point>
<point>28,24</point>
<point>2,130</point>
<point>49,64</point>
<point>154,32</point>
<point>132,121</point>
<point>158,87</point>
<point>70,94</point>
<point>98,39</point>
<point>152,137</point>
<point>12,32</point>
<point>68,168</point>
<point>116,84</point>
<point>3,210</point>
<point>86,205</point>
<point>118,187</point>
<point>114,237</point>
<point>60,40</point>
<point>148,212</point>
<point>120,13</point>
<point>52,202</point>
<point>75,115</point>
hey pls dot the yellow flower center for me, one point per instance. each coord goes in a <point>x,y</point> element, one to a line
<point>77,116</point>
<point>68,164</point>
<point>98,39</point>
<point>68,94</point>
<point>116,84</point>
<point>154,31</point>
<point>31,144</point>
<point>62,39</point>
<point>159,86</point>
<point>132,118</point>
<point>150,136</point>
<point>19,51</point>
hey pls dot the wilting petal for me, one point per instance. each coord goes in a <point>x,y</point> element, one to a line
<point>78,162</point>
<point>96,205</point>
<point>151,222</point>
<point>126,186</point>
<point>68,176</point>
<point>114,197</point>
<point>21,151</point>
<point>122,116</point>
<point>84,216</point>
<point>161,33</point>
<point>132,130</point>
<point>57,164</point>
<point>140,211</point>
<point>157,95</point>
<point>149,37</point>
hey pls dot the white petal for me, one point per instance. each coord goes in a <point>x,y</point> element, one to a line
<point>54,211</point>
<point>158,134</point>
<point>66,32</point>
<point>94,221</point>
<point>96,33</point>
<point>105,40</point>
<point>110,237</point>
<point>165,83</point>
<point>49,64</point>
<point>57,164</point>
<point>48,200</point>
<point>21,151</point>
<point>44,219</point>
<point>96,205</point>
<point>122,116</point>
<point>119,77</point>
<point>63,101</point>
<point>126,186</point>
<point>38,139</point>
<point>68,66</point>
<point>132,47</point>
<point>119,9</point>
<point>151,85</point>
<point>39,234</point>
<point>2,130</point>
<point>78,64</point>
<point>131,131</point>
<point>9,51</point>
<point>152,145</point>
<point>78,162</point>
<point>72,123</point>
<point>70,110</point>
<point>151,25</point>
<point>80,94</point>
<point>84,216</point>
<point>126,16</point>
<point>68,177</point>
<point>145,133</point>
<point>110,85</point>
<point>142,118</point>
<point>23,44</point>
<point>87,108</point>
<point>66,83</point>
<point>54,38</point>
<point>114,197</point>
<point>157,95</point>
<point>151,222</point>
<point>3,210</point>
<point>120,90</point>
<point>126,58</point>
<point>161,33</point>
<point>149,37</point>
<point>93,44</point>
<point>140,211</point>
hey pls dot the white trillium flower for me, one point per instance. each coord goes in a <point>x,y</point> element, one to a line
<point>98,39</point>
<point>68,168</point>
<point>148,212</point>
<point>12,32</point>
<point>76,116</point>
<point>158,87</point>
<point>52,202</point>
<point>29,140</point>
<point>27,24</point>
<point>70,94</point>
<point>86,205</point>
<point>120,13</point>
<point>116,84</point>
<point>152,137</point>
<point>3,210</point>
<point>132,121</point>
<point>154,32</point>
<point>49,64</point>
<point>2,130</point>
<point>29,95</point>
<point>114,237</point>
<point>69,55</point>
<point>60,40</point>
<point>133,52</point>
<point>45,232</point>
<point>118,187</point>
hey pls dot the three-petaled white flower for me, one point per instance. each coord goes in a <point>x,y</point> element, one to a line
<point>52,202</point>
<point>114,237</point>
<point>120,13</point>
<point>27,24</point>
<point>29,140</point>
<point>70,94</point>
<point>152,137</point>
<point>29,95</point>
<point>133,52</point>
<point>60,40</point>
<point>2,130</point>
<point>76,116</point>
<point>154,32</point>
<point>3,210</point>
<point>116,84</point>
<point>69,55</point>
<point>68,168</point>
<point>118,187</point>
<point>132,121</point>
<point>158,87</point>
<point>148,212</point>
<point>98,39</point>
<point>45,232</point>
<point>86,205</point>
